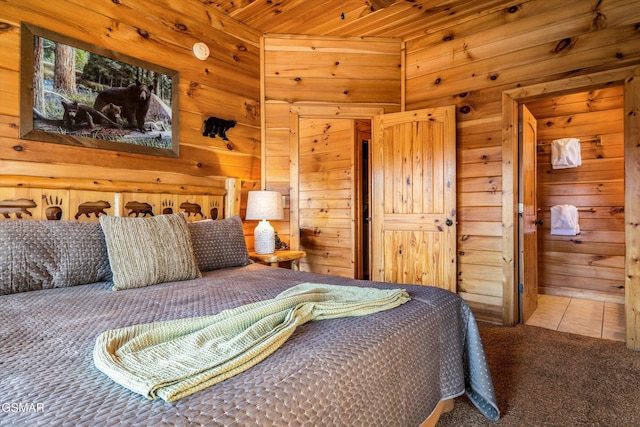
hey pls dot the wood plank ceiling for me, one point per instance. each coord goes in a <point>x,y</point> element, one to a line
<point>406,19</point>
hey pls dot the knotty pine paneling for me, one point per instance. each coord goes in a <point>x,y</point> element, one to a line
<point>326,213</point>
<point>349,18</point>
<point>337,70</point>
<point>365,72</point>
<point>471,63</point>
<point>161,32</point>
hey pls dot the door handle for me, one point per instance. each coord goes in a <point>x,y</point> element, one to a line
<point>538,222</point>
<point>449,222</point>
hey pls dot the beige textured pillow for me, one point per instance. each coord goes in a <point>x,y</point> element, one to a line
<point>145,251</point>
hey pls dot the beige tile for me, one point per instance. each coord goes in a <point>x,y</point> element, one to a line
<point>615,334</point>
<point>549,312</point>
<point>583,317</point>
<point>613,326</point>
<point>553,301</point>
<point>586,309</point>
<point>543,322</point>
<point>614,313</point>
<point>590,328</point>
<point>591,318</point>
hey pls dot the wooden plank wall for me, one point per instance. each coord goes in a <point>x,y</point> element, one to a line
<point>590,265</point>
<point>227,85</point>
<point>326,195</point>
<point>300,70</point>
<point>470,65</point>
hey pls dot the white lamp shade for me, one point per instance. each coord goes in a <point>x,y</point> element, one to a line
<point>264,205</point>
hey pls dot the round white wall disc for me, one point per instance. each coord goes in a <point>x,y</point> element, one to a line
<point>201,51</point>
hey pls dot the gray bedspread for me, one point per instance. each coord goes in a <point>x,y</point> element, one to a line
<point>385,369</point>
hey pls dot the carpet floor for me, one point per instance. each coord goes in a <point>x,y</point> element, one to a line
<point>548,378</point>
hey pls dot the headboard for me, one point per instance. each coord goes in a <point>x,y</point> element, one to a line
<point>25,197</point>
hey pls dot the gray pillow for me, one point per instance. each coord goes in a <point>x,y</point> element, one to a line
<point>38,255</point>
<point>219,244</point>
<point>146,251</point>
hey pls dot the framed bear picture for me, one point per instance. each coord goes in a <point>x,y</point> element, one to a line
<point>78,94</point>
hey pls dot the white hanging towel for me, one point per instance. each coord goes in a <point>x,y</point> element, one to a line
<point>564,220</point>
<point>565,153</point>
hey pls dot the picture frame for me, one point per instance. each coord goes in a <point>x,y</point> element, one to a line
<point>115,102</point>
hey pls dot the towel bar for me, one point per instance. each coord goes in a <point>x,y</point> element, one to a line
<point>597,140</point>
<point>579,209</point>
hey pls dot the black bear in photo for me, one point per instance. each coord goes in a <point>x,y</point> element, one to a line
<point>113,112</point>
<point>80,115</point>
<point>134,100</point>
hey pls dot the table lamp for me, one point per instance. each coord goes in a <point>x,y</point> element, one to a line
<point>263,206</point>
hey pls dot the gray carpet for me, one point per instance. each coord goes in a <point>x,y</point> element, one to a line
<point>548,378</point>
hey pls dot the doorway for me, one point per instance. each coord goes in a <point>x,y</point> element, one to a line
<point>330,184</point>
<point>363,199</point>
<point>630,77</point>
<point>579,276</point>
<point>334,188</point>
<point>424,220</point>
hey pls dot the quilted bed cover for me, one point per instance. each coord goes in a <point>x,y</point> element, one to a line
<point>385,369</point>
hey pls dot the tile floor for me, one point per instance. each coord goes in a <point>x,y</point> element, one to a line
<point>578,316</point>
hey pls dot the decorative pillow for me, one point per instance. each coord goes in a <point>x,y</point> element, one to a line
<point>219,244</point>
<point>38,255</point>
<point>145,251</point>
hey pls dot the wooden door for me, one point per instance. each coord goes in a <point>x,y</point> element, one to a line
<point>326,179</point>
<point>528,263</point>
<point>414,197</point>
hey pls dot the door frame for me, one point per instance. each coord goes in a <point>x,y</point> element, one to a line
<point>629,78</point>
<point>307,110</point>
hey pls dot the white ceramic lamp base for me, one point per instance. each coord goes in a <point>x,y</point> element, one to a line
<point>264,238</point>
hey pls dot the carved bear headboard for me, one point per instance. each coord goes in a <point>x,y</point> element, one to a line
<point>85,200</point>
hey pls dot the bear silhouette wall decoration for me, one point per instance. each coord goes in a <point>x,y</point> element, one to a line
<point>214,126</point>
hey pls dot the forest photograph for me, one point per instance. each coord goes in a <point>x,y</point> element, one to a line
<point>83,97</point>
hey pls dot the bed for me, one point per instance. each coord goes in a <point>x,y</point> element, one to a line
<point>397,367</point>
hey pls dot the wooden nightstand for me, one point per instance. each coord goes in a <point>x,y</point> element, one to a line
<point>277,257</point>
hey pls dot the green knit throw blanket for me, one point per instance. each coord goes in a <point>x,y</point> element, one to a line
<point>176,358</point>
